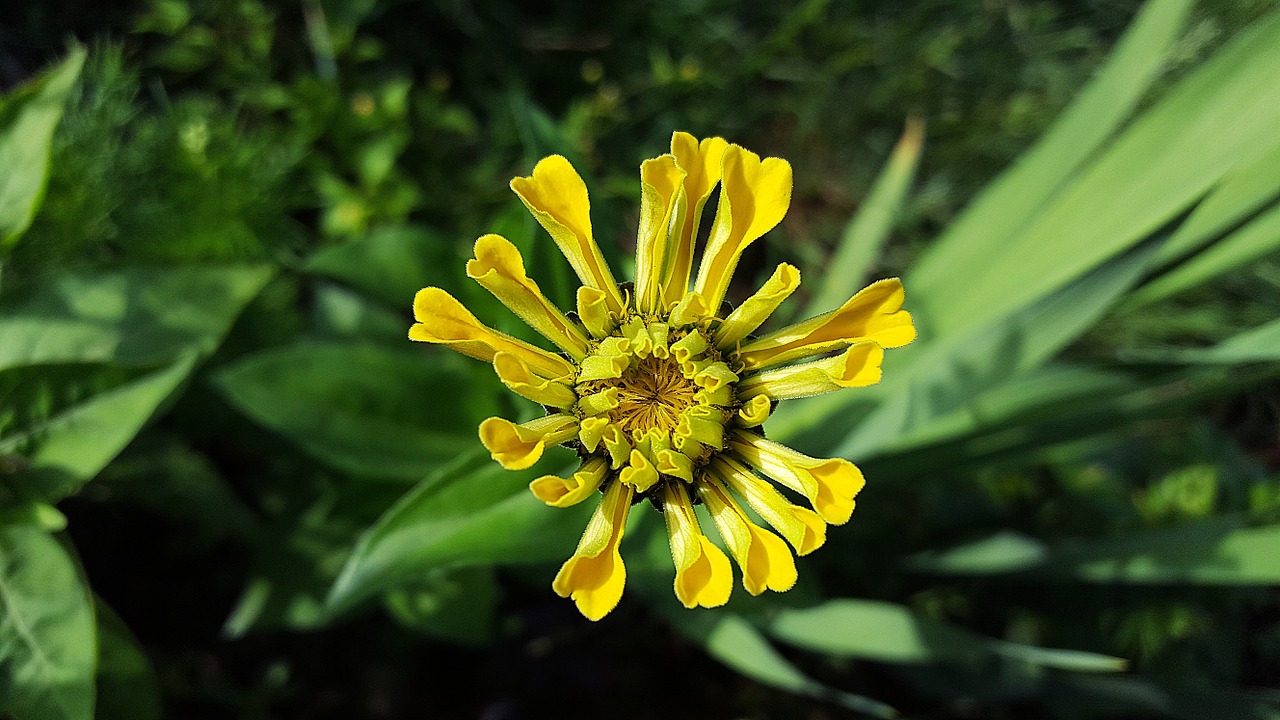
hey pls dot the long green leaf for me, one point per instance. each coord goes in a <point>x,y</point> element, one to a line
<point>737,643</point>
<point>1250,242</point>
<point>1219,119</point>
<point>28,118</point>
<point>48,644</point>
<point>888,632</point>
<point>73,446</point>
<point>974,242</point>
<point>368,410</point>
<point>864,238</point>
<point>1215,552</point>
<point>135,316</point>
<point>472,513</point>
<point>389,266</point>
<point>127,685</point>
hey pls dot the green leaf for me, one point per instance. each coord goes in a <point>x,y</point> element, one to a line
<point>48,644</point>
<point>74,445</point>
<point>472,513</point>
<point>457,605</point>
<point>367,410</point>
<point>867,232</point>
<point>390,265</point>
<point>1250,242</point>
<point>887,632</point>
<point>127,684</point>
<point>738,644</point>
<point>977,239</point>
<point>28,118</point>
<point>135,316</point>
<point>1218,119</point>
<point>1219,551</point>
<point>1261,344</point>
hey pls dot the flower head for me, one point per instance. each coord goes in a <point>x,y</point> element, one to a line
<point>661,391</point>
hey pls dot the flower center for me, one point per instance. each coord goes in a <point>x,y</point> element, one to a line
<point>663,390</point>
<point>652,393</point>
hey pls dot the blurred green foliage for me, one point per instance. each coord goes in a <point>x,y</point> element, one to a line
<point>1073,506</point>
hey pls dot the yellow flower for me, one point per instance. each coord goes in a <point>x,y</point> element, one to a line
<point>660,391</point>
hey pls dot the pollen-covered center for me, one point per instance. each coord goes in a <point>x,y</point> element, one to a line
<point>653,393</point>
<point>654,400</point>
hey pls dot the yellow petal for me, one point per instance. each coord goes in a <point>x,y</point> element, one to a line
<point>593,310</point>
<point>859,366</point>
<point>802,527</point>
<point>754,197</point>
<point>516,375</point>
<point>703,575</point>
<point>755,411</point>
<point>517,447</point>
<point>595,576</point>
<point>701,162</point>
<point>875,314</point>
<point>557,197</point>
<point>829,485</point>
<point>443,320</point>
<point>640,473</point>
<point>661,185</point>
<point>764,558</point>
<point>690,310</point>
<point>499,268</point>
<point>752,313</point>
<point>561,492</point>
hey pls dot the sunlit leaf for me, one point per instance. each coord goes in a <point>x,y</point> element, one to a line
<point>135,316</point>
<point>48,644</point>
<point>887,632</point>
<point>28,118</point>
<point>74,445</point>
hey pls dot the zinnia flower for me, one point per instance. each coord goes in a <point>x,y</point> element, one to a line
<point>661,388</point>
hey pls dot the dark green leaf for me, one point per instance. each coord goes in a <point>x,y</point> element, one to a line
<point>367,410</point>
<point>472,513</point>
<point>127,685</point>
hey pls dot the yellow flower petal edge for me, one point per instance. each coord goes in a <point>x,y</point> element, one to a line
<point>875,314</point>
<point>499,268</point>
<point>557,197</point>
<point>663,389</point>
<point>703,575</point>
<point>595,575</point>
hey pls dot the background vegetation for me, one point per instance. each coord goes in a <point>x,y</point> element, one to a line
<point>214,215</point>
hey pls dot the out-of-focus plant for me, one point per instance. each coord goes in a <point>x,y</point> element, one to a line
<point>206,318</point>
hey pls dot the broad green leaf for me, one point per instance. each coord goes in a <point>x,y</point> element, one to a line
<point>457,605</point>
<point>973,243</point>
<point>472,513</point>
<point>390,265</point>
<point>887,632</point>
<point>127,684</point>
<point>738,644</point>
<point>48,644</point>
<point>368,410</point>
<point>864,237</point>
<point>73,446</point>
<point>136,316</point>
<point>1213,122</point>
<point>1259,237</point>
<point>28,118</point>
<point>1133,696</point>
<point>1220,551</point>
